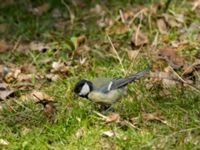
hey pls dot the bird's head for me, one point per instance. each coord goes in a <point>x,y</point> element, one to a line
<point>83,88</point>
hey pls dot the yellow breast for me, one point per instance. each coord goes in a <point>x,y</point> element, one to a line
<point>108,98</point>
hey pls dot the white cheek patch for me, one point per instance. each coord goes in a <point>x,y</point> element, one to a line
<point>85,89</point>
<point>110,85</point>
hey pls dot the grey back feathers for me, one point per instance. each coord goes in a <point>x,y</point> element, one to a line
<point>122,82</point>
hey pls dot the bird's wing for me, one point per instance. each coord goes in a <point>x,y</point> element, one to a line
<point>121,82</point>
<point>101,82</point>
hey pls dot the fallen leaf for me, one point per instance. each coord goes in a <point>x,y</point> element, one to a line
<point>132,54</point>
<point>108,133</point>
<point>4,46</point>
<point>9,77</point>
<point>105,22</point>
<point>52,77</point>
<point>97,9</point>
<point>128,16</point>
<point>112,117</point>
<point>81,40</point>
<point>28,68</point>
<point>161,25</point>
<point>59,67</point>
<point>41,9</point>
<point>22,46</point>
<point>117,29</point>
<point>166,78</point>
<point>189,69</point>
<point>39,46</point>
<point>172,21</point>
<point>41,97</point>
<point>139,38</point>
<point>82,49</point>
<point>25,77</point>
<point>152,116</point>
<point>49,110</point>
<point>171,56</point>
<point>196,4</point>
<point>5,92</point>
<point>4,142</point>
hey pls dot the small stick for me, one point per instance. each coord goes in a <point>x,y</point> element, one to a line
<point>181,79</point>
<point>100,115</point>
<point>121,16</point>
<point>119,59</point>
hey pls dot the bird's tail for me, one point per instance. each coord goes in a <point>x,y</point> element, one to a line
<point>139,74</point>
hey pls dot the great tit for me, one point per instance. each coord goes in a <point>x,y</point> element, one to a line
<point>106,91</point>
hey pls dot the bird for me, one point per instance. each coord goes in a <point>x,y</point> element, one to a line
<point>106,91</point>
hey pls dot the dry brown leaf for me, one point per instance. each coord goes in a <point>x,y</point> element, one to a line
<point>196,4</point>
<point>22,46</point>
<point>52,77</point>
<point>152,116</point>
<point>40,97</point>
<point>117,29</point>
<point>167,78</point>
<point>41,9</point>
<point>28,68</point>
<point>81,40</point>
<point>161,25</point>
<point>9,77</point>
<point>189,69</point>
<point>12,75</point>
<point>132,54</point>
<point>5,92</point>
<point>59,67</point>
<point>98,10</point>
<point>112,117</point>
<point>105,22</point>
<point>172,21</point>
<point>49,110</point>
<point>25,77</point>
<point>4,46</point>
<point>170,55</point>
<point>128,16</point>
<point>139,38</point>
<point>39,46</point>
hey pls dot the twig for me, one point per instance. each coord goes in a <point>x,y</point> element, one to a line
<point>72,17</point>
<point>16,43</point>
<point>100,115</point>
<point>119,59</point>
<point>121,16</point>
<point>181,79</point>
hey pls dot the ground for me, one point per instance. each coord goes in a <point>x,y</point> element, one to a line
<point>48,46</point>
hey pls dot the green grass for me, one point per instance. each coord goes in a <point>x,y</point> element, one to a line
<point>75,124</point>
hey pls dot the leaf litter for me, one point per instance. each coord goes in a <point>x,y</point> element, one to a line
<point>186,69</point>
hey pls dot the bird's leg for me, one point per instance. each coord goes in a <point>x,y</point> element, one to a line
<point>105,109</point>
